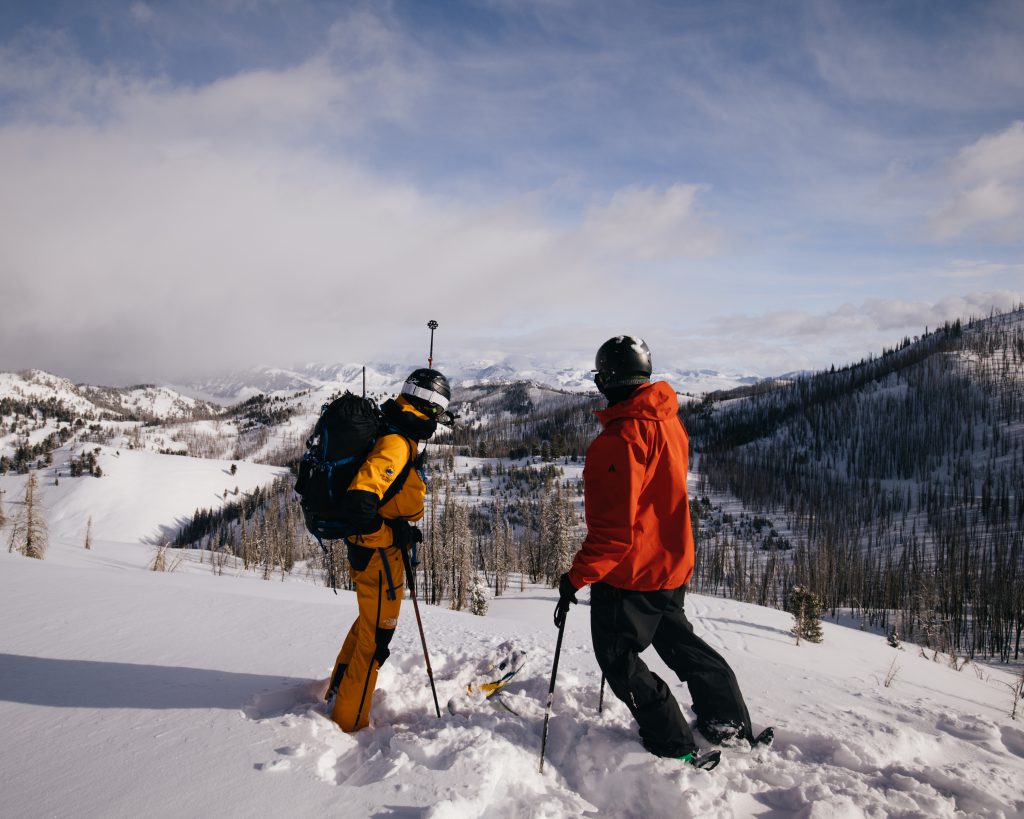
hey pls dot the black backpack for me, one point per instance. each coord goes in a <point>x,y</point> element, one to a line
<point>343,436</point>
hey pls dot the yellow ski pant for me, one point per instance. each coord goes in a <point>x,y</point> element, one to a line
<point>366,646</point>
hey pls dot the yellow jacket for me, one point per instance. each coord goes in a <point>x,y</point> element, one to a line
<point>371,499</point>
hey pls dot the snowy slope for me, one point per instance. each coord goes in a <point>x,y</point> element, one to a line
<point>141,498</point>
<point>125,693</point>
<point>38,385</point>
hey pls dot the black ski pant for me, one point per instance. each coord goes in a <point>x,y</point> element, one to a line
<point>623,624</point>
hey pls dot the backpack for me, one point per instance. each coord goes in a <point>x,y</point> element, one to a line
<point>343,436</point>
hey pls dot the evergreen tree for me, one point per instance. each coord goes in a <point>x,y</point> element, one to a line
<point>558,534</point>
<point>805,606</point>
<point>479,597</point>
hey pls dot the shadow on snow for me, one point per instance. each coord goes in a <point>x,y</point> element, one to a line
<point>96,684</point>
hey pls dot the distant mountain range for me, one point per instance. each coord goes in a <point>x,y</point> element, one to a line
<point>239,385</point>
<point>208,397</point>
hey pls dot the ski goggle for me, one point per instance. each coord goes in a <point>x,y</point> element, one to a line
<point>438,403</point>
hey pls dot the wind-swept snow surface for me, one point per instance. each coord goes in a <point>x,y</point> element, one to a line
<point>128,693</point>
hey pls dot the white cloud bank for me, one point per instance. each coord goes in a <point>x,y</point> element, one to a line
<point>190,229</point>
<point>987,181</point>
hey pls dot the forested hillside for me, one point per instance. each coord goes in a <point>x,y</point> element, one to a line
<point>899,482</point>
<point>504,501</point>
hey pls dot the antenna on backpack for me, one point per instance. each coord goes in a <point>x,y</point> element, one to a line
<point>430,358</point>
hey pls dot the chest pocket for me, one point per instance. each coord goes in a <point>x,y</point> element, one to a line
<point>408,503</point>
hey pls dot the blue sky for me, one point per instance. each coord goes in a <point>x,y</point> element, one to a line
<point>754,186</point>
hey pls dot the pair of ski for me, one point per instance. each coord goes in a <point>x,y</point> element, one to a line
<point>497,674</point>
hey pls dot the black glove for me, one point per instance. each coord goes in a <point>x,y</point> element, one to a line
<point>404,533</point>
<point>566,597</point>
<point>566,590</point>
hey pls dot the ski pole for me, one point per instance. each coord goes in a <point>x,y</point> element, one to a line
<point>600,700</point>
<point>551,687</point>
<point>419,622</point>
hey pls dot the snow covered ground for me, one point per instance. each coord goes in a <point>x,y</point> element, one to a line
<point>125,692</point>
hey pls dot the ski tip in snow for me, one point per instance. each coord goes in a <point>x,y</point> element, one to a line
<point>705,761</point>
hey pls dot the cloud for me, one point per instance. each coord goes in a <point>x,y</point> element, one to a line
<point>987,197</point>
<point>950,57</point>
<point>772,342</point>
<point>175,230</point>
<point>972,269</point>
<point>306,183</point>
<point>648,224</point>
<point>141,12</point>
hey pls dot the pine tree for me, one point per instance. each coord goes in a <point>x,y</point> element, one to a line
<point>479,597</point>
<point>805,606</point>
<point>557,533</point>
<point>28,534</point>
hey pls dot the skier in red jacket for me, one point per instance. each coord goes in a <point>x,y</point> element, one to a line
<point>638,557</point>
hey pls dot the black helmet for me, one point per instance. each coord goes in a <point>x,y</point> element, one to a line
<point>428,391</point>
<point>621,362</point>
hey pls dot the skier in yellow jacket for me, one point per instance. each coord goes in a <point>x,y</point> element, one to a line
<point>386,494</point>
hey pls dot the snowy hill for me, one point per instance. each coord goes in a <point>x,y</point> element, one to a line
<point>127,692</point>
<point>141,498</point>
<point>145,401</point>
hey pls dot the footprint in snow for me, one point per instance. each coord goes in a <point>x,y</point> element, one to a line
<point>283,702</point>
<point>1013,739</point>
<point>293,750</point>
<point>277,766</point>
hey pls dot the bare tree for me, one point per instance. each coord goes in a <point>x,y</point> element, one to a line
<point>88,533</point>
<point>28,534</point>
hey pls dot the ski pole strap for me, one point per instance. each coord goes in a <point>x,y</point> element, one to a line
<point>331,576</point>
<point>410,565</point>
<point>387,573</point>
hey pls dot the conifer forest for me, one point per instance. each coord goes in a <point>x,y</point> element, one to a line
<point>899,483</point>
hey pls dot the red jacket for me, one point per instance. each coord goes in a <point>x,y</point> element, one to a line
<point>638,513</point>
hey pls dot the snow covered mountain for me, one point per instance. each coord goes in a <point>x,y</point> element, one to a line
<point>380,377</point>
<point>146,401</point>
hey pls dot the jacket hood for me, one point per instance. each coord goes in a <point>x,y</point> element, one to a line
<point>652,402</point>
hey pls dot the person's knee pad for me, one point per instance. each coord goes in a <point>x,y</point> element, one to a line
<point>383,639</point>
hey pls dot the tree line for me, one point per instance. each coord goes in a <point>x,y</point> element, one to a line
<point>902,479</point>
